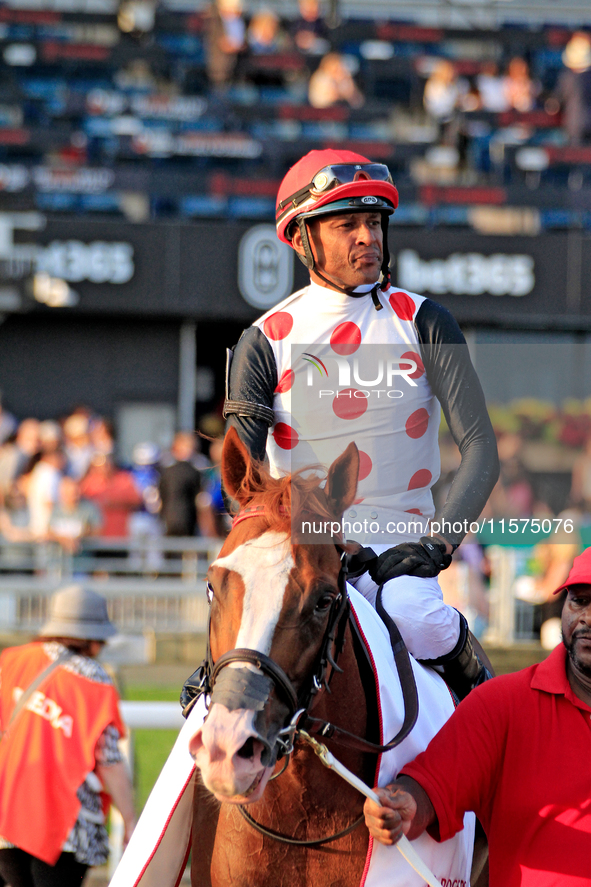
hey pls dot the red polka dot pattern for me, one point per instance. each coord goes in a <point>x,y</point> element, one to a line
<point>357,501</point>
<point>414,511</point>
<point>412,355</point>
<point>345,339</point>
<point>420,478</point>
<point>349,404</point>
<point>285,436</point>
<point>278,325</point>
<point>365,465</point>
<point>417,423</point>
<point>403,305</point>
<point>285,382</point>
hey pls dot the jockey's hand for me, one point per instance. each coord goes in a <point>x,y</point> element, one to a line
<point>425,558</point>
<point>388,822</point>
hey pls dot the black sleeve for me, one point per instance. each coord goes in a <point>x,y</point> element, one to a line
<point>252,379</point>
<point>455,384</point>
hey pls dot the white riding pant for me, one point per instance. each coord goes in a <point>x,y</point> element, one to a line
<point>429,627</point>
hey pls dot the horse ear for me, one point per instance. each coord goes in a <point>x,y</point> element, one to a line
<point>237,467</point>
<point>341,483</point>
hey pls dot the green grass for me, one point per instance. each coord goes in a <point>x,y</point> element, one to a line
<point>151,747</point>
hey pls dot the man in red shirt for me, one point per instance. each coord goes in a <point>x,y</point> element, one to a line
<point>516,752</point>
<point>114,493</point>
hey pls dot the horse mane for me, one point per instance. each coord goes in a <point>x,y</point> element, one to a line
<point>285,499</point>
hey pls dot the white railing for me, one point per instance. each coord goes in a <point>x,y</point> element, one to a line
<point>150,584</point>
<point>156,584</point>
<point>138,715</point>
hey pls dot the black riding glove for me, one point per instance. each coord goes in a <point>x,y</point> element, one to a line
<point>424,558</point>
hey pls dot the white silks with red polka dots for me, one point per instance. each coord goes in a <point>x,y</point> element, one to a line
<point>348,372</point>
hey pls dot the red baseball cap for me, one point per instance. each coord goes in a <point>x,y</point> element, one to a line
<point>580,573</point>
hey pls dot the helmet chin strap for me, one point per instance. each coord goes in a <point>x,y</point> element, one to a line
<point>308,260</point>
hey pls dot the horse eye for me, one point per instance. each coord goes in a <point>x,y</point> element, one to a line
<point>209,591</point>
<point>324,602</point>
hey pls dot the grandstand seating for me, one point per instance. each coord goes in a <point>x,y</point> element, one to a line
<point>79,133</point>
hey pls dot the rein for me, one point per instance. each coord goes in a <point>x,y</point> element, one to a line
<point>203,680</point>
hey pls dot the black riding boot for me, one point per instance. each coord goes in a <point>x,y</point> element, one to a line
<point>461,669</point>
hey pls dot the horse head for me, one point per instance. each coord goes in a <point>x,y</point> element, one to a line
<point>272,601</point>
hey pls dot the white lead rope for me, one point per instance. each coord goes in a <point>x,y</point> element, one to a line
<point>403,844</point>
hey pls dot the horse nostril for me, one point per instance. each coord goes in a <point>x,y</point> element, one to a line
<point>247,750</point>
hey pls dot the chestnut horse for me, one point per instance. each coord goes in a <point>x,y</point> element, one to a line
<point>272,603</point>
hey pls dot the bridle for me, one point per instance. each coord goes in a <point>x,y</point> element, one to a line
<point>297,703</point>
<point>203,683</point>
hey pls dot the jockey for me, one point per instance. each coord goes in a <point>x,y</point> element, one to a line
<point>333,209</point>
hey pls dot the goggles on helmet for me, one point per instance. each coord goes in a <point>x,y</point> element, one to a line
<point>345,173</point>
<point>332,176</point>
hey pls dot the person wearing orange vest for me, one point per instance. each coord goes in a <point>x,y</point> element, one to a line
<point>59,754</point>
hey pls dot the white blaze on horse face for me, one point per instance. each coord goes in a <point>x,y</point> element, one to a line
<point>264,564</point>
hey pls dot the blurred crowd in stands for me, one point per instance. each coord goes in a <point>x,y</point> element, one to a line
<point>88,106</point>
<point>60,482</point>
<point>545,482</point>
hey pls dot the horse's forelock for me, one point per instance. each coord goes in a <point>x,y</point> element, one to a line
<point>288,498</point>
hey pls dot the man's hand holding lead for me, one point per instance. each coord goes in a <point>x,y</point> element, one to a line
<point>388,822</point>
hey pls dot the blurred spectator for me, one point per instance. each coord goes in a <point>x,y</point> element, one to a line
<point>114,492</point>
<point>135,77</point>
<point>513,495</point>
<point>50,436</point>
<point>551,562</point>
<point>214,520</point>
<point>146,475</point>
<point>574,88</point>
<point>580,494</point>
<point>441,98</point>
<point>136,16</point>
<point>519,87</point>
<point>491,87</point>
<point>180,484</point>
<point>309,31</point>
<point>332,83</point>
<point>77,445</point>
<point>224,40</point>
<point>470,100</point>
<point>72,519</point>
<point>101,436</point>
<point>8,423</point>
<point>465,584</point>
<point>15,458</point>
<point>43,489</point>
<point>145,522</point>
<point>264,34</point>
<point>14,516</point>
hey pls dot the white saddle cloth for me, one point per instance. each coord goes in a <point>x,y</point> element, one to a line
<point>157,853</point>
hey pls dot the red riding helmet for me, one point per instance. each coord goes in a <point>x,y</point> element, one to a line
<point>332,181</point>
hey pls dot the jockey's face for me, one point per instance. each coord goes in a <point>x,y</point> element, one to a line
<point>347,248</point>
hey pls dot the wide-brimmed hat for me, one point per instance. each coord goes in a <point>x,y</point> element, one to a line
<point>78,612</point>
<point>580,573</point>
